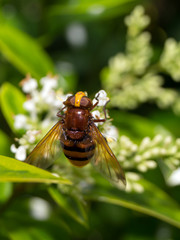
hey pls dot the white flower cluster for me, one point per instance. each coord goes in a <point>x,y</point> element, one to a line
<point>42,104</point>
<point>170,58</point>
<point>131,79</point>
<point>109,131</point>
<point>137,21</point>
<point>144,156</point>
<point>133,182</point>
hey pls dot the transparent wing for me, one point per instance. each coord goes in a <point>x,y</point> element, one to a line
<point>104,160</point>
<point>44,152</point>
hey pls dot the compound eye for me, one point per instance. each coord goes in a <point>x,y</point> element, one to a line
<point>86,102</point>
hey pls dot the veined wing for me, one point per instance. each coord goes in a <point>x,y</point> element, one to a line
<point>104,160</point>
<point>44,152</point>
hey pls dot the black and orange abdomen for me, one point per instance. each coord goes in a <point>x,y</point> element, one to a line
<point>78,152</point>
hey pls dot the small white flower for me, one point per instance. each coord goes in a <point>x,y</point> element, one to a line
<point>174,178</point>
<point>102,97</point>
<point>111,133</point>
<point>151,164</point>
<point>157,139</point>
<point>142,167</point>
<point>128,187</point>
<point>145,143</point>
<point>29,85</point>
<point>96,114</point>
<point>132,176</point>
<point>46,123</point>
<point>121,158</point>
<point>31,135</point>
<point>39,208</point>
<point>168,140</point>
<point>49,82</point>
<point>20,121</point>
<point>155,151</point>
<point>20,152</point>
<point>127,164</point>
<point>138,158</point>
<point>147,155</point>
<point>134,148</point>
<point>137,187</point>
<point>29,105</point>
<point>163,151</point>
<point>48,96</point>
<point>13,148</point>
<point>172,150</point>
<point>123,152</point>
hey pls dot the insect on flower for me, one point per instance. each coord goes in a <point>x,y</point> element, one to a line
<point>80,140</point>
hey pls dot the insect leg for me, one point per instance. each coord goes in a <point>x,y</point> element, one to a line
<point>97,99</point>
<point>104,109</point>
<point>59,114</point>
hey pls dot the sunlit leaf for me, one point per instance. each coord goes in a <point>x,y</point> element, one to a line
<point>92,9</point>
<point>71,205</point>
<point>153,201</point>
<point>24,52</point>
<point>12,170</point>
<point>11,102</point>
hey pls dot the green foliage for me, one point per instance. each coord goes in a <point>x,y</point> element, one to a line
<point>90,10</point>
<point>11,102</point>
<point>72,205</point>
<point>13,170</point>
<point>153,201</point>
<point>4,143</point>
<point>6,191</point>
<point>14,45</point>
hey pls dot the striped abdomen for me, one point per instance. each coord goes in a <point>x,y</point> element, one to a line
<point>78,152</point>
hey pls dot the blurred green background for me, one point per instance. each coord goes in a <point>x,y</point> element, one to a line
<point>76,39</point>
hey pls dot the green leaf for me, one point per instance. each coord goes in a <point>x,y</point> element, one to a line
<point>34,233</point>
<point>71,205</point>
<point>136,127</point>
<point>11,102</point>
<point>5,190</point>
<point>12,170</point>
<point>4,144</point>
<point>24,52</point>
<point>26,227</point>
<point>92,9</point>
<point>153,201</point>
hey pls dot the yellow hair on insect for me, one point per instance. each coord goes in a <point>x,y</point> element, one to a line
<point>78,97</point>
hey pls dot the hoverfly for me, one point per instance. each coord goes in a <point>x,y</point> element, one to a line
<point>80,140</point>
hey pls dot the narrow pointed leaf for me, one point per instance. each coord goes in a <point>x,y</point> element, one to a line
<point>153,201</point>
<point>71,205</point>
<point>12,170</point>
<point>24,52</point>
